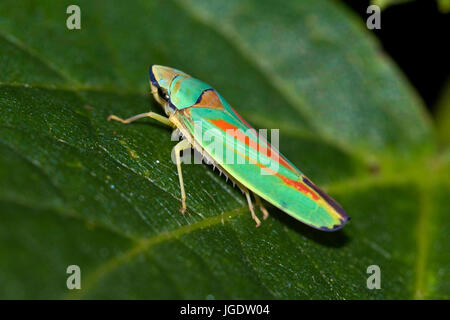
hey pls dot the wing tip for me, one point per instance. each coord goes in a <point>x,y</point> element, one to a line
<point>336,206</point>
<point>336,226</point>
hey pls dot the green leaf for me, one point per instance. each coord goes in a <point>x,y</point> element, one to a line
<point>443,116</point>
<point>443,5</point>
<point>76,189</point>
<point>383,4</point>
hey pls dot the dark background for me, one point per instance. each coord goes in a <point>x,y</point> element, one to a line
<point>416,35</point>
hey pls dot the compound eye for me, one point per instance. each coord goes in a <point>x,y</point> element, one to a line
<point>162,94</point>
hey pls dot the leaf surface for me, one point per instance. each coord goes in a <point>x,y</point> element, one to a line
<point>76,189</point>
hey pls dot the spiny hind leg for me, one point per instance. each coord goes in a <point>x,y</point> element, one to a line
<point>150,114</point>
<point>250,206</point>
<point>182,145</point>
<point>261,206</point>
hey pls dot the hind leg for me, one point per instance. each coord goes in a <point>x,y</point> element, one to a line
<point>250,207</point>
<point>261,206</point>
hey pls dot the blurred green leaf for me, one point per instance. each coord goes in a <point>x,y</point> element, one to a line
<point>76,189</point>
<point>443,5</point>
<point>443,116</point>
<point>383,4</point>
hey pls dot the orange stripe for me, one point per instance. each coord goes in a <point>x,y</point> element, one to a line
<point>300,186</point>
<point>274,155</point>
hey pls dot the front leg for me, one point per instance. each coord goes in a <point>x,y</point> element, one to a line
<point>182,145</point>
<point>150,114</point>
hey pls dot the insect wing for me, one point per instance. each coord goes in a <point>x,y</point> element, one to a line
<point>248,158</point>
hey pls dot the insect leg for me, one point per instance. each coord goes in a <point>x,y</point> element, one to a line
<point>150,114</point>
<point>182,145</point>
<point>250,206</point>
<point>261,206</point>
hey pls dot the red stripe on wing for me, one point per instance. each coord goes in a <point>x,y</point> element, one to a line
<point>269,152</point>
